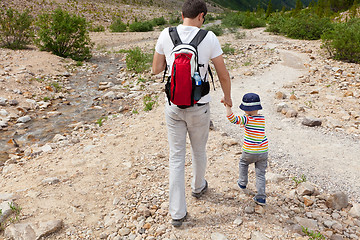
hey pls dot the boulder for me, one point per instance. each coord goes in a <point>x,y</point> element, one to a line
<point>355,211</point>
<point>311,122</point>
<point>305,188</point>
<point>337,201</point>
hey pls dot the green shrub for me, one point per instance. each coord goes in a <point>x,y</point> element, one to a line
<point>118,26</point>
<point>233,19</point>
<point>306,26</point>
<point>15,29</point>
<point>138,61</point>
<point>158,21</point>
<point>227,49</point>
<point>217,29</point>
<point>149,102</point>
<point>141,26</point>
<point>64,35</point>
<point>343,42</point>
<point>275,23</point>
<point>174,18</point>
<point>313,235</point>
<point>210,17</point>
<point>97,28</point>
<point>251,21</point>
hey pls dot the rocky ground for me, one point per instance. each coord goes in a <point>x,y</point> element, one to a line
<point>110,181</point>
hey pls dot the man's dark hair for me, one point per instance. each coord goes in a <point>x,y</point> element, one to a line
<point>192,8</point>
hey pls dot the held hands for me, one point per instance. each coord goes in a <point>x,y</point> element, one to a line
<point>228,109</point>
<point>226,101</point>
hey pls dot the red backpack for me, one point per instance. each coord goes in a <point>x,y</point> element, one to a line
<point>180,86</point>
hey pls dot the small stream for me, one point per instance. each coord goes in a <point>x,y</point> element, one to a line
<point>83,104</point>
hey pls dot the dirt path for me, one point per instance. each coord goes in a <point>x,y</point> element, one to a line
<point>329,159</point>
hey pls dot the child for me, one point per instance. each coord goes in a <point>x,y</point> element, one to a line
<point>255,146</point>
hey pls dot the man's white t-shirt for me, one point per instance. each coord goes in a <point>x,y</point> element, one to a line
<point>208,49</point>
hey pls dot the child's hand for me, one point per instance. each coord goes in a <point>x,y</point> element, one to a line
<point>228,109</point>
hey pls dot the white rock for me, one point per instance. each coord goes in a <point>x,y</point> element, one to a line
<point>218,236</point>
<point>20,231</point>
<point>5,209</point>
<point>3,112</point>
<point>2,101</point>
<point>58,137</point>
<point>308,223</point>
<point>238,221</point>
<point>3,124</point>
<point>273,177</point>
<point>51,180</point>
<point>355,210</point>
<point>24,119</point>
<point>46,148</point>
<point>109,95</point>
<point>6,196</point>
<point>88,148</point>
<point>258,236</point>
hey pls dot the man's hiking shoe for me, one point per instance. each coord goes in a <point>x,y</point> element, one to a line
<point>199,194</point>
<point>241,186</point>
<point>260,201</point>
<point>178,222</point>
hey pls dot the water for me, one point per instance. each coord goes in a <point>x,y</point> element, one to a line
<point>78,107</point>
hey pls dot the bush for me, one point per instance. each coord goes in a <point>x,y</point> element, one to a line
<point>149,102</point>
<point>158,21</point>
<point>118,26</point>
<point>98,28</point>
<point>227,49</point>
<point>138,61</point>
<point>64,35</point>
<point>251,21</point>
<point>306,26</point>
<point>217,29</point>
<point>343,42</point>
<point>15,29</point>
<point>174,18</point>
<point>233,19</point>
<point>141,26</point>
<point>275,24</point>
<point>210,17</point>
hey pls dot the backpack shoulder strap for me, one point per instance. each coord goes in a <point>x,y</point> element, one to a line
<point>175,38</point>
<point>201,34</point>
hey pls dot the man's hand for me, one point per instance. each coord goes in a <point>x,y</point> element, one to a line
<point>226,102</point>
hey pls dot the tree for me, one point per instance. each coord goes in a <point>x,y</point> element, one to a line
<point>298,6</point>
<point>269,9</point>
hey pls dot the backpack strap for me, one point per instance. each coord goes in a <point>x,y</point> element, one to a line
<point>174,35</point>
<point>201,34</point>
<point>175,38</point>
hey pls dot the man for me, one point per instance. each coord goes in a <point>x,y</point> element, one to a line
<point>194,120</point>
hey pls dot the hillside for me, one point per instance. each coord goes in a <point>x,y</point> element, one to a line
<point>251,5</point>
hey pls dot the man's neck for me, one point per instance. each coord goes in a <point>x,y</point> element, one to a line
<point>193,22</point>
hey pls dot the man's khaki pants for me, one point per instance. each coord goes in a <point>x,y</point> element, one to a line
<point>196,122</point>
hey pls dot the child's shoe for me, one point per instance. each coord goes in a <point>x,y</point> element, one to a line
<point>241,186</point>
<point>260,201</point>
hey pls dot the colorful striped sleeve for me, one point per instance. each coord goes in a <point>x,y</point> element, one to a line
<point>237,119</point>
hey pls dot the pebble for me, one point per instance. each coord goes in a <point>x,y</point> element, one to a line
<point>24,119</point>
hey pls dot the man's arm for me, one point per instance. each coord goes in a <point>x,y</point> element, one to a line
<point>159,63</point>
<point>224,78</point>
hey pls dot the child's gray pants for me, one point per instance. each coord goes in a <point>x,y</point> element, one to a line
<point>260,161</point>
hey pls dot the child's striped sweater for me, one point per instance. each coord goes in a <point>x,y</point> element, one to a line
<point>255,140</point>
